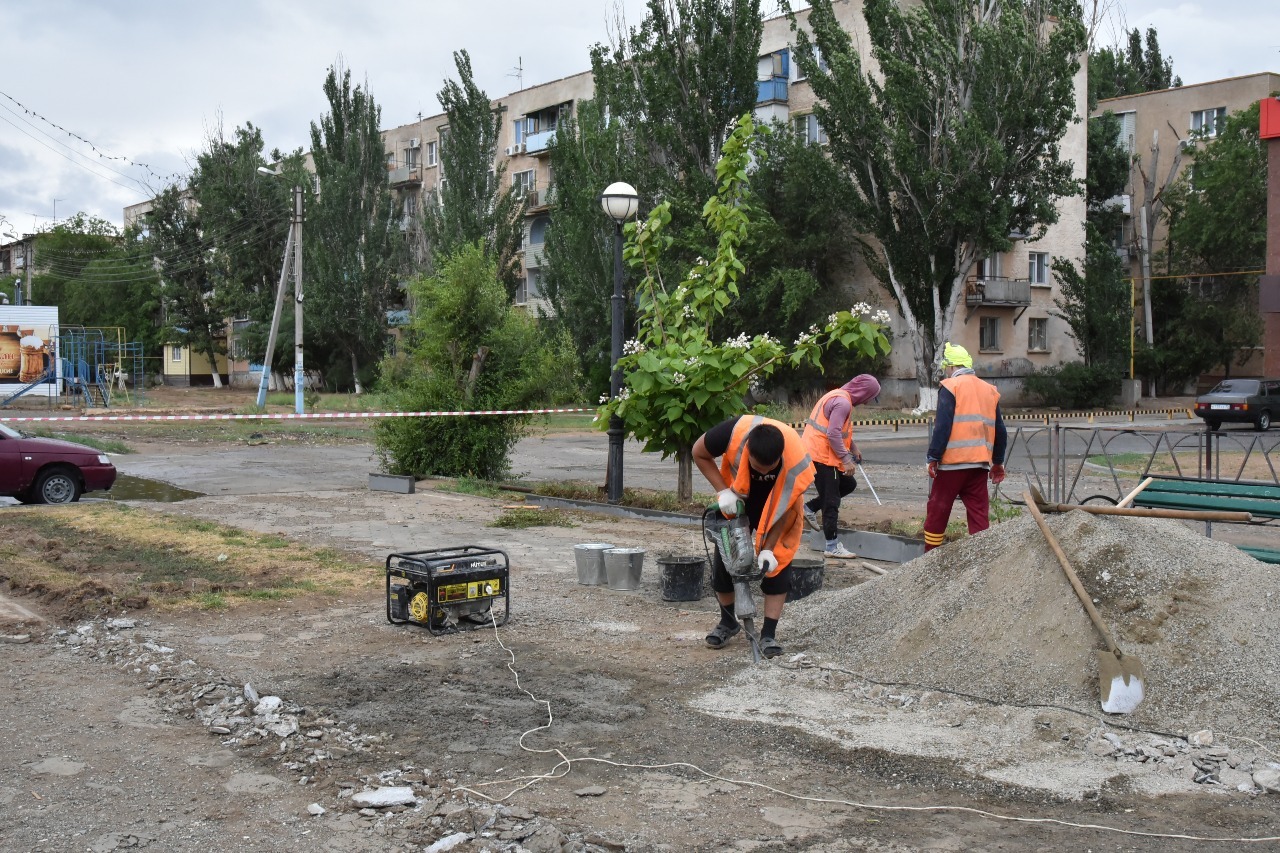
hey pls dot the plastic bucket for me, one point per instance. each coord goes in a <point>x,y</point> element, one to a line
<point>589,559</point>
<point>682,577</point>
<point>806,578</point>
<point>622,567</point>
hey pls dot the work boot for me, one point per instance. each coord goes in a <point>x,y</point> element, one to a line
<point>811,519</point>
<point>837,551</point>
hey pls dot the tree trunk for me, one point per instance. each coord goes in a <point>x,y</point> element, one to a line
<point>213,367</point>
<point>473,375</point>
<point>684,474</point>
<point>355,373</point>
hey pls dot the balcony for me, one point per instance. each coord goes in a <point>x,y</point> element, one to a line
<point>997,293</point>
<point>539,199</point>
<point>536,143</point>
<point>404,176</point>
<point>773,90</point>
<point>535,256</point>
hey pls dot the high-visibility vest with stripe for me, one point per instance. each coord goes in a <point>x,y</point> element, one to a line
<point>815,430</point>
<point>973,430</point>
<point>794,476</point>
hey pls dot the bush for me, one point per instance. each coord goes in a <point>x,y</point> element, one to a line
<point>1074,385</point>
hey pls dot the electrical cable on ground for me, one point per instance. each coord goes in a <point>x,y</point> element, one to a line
<point>565,766</point>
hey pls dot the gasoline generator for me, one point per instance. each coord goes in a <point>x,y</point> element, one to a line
<point>448,589</point>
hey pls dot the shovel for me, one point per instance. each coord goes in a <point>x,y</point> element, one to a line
<point>1120,676</point>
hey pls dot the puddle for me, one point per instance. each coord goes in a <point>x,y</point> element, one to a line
<point>129,488</point>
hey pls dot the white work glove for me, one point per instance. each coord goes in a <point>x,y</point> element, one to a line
<point>767,561</point>
<point>728,500</point>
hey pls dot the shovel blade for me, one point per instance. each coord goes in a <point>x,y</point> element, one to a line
<point>1120,682</point>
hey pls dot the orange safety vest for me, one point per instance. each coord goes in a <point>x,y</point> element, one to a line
<point>794,476</point>
<point>973,431</point>
<point>815,430</point>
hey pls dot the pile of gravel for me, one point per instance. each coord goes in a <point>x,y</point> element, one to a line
<point>994,615</point>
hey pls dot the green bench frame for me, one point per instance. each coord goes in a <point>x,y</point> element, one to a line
<point>1260,500</point>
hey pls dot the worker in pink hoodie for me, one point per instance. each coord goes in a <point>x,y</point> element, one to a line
<point>828,436</point>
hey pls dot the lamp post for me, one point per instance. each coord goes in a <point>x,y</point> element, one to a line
<point>619,201</point>
<point>294,243</point>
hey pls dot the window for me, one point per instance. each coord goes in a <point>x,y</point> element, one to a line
<point>411,157</point>
<point>990,268</point>
<point>809,130</point>
<point>1128,129</point>
<point>1038,267</point>
<point>817,54</point>
<point>176,354</point>
<point>431,153</point>
<point>529,288</point>
<point>523,182</point>
<point>391,159</point>
<point>1038,334</point>
<point>411,205</point>
<point>1207,122</point>
<point>517,135</point>
<point>989,334</point>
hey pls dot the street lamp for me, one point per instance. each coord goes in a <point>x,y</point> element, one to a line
<point>294,243</point>
<point>619,201</point>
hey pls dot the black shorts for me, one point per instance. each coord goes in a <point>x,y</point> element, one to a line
<point>779,584</point>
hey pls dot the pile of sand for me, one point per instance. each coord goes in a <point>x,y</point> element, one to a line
<point>994,615</point>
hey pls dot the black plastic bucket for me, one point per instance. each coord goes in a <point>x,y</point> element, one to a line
<point>806,578</point>
<point>682,577</point>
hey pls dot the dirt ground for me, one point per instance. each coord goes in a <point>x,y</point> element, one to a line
<point>594,719</point>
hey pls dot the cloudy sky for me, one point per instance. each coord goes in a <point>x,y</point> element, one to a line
<point>143,81</point>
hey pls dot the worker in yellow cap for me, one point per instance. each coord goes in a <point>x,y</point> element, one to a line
<point>967,447</point>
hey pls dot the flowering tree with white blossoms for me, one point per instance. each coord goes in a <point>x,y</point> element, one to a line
<point>678,381</point>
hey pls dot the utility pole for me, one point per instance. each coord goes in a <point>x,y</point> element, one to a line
<point>275,320</point>
<point>28,261</point>
<point>298,373</point>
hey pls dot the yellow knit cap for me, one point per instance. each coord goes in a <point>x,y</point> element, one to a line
<point>954,356</point>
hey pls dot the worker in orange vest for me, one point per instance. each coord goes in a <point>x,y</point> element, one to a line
<point>828,434</point>
<point>764,465</point>
<point>966,449</point>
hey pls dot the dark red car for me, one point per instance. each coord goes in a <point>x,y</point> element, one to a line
<point>49,471</point>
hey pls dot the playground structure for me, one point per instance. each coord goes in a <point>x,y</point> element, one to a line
<point>91,367</point>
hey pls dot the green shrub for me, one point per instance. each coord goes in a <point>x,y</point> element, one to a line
<point>1074,385</point>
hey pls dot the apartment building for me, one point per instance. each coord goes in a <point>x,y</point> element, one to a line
<point>1178,119</point>
<point>530,117</point>
<point>1007,319</point>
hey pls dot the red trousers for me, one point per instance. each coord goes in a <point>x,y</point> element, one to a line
<point>970,485</point>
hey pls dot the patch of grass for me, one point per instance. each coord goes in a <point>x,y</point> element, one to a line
<point>88,556</point>
<point>472,486</point>
<point>658,499</point>
<point>106,445</point>
<point>522,518</point>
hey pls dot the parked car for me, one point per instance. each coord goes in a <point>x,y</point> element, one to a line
<point>49,471</point>
<point>1250,401</point>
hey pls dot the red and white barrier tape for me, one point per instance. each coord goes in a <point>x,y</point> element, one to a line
<point>322,416</point>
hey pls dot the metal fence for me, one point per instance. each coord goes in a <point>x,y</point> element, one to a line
<point>1073,464</point>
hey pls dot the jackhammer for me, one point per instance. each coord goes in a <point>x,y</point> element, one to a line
<point>731,538</point>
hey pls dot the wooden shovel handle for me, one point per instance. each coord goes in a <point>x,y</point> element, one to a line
<point>1071,575</point>
<point>1128,499</point>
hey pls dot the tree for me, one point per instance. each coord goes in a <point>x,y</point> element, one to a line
<point>245,217</point>
<point>472,202</point>
<point>957,144</point>
<point>1217,229</point>
<point>353,245</point>
<point>589,153</point>
<point>1139,66</point>
<point>680,381</point>
<point>667,94</point>
<point>99,279</point>
<point>467,348</point>
<point>195,312</point>
<point>1095,299</point>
